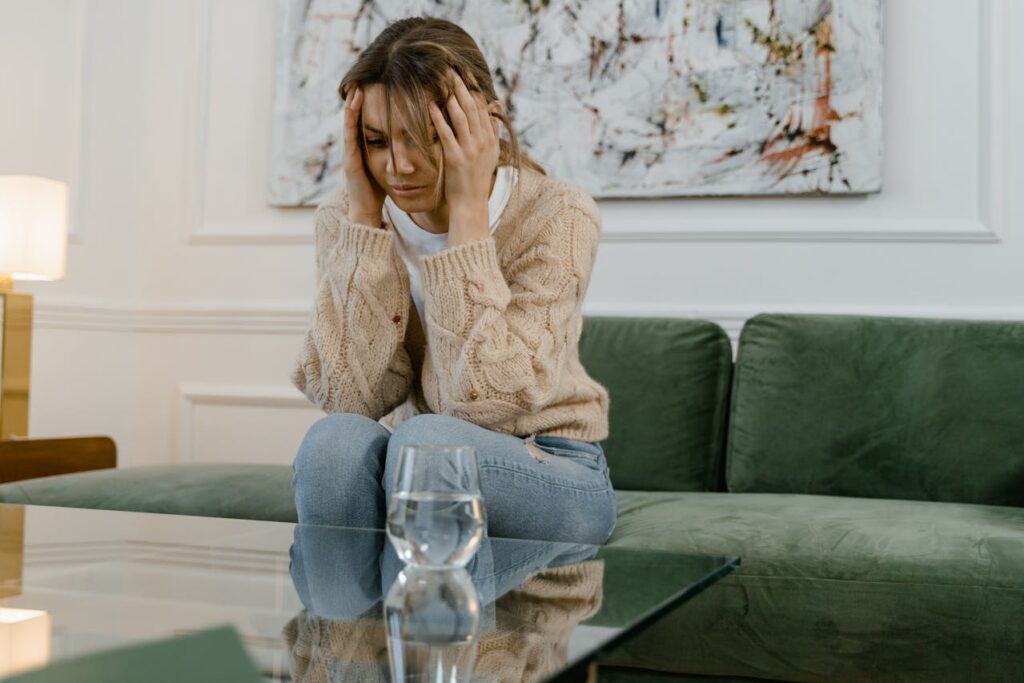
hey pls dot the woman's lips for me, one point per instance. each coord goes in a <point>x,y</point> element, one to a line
<point>406,190</point>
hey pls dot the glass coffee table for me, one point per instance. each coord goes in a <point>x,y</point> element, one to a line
<point>310,600</point>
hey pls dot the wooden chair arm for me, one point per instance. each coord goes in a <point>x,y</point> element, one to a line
<point>32,458</point>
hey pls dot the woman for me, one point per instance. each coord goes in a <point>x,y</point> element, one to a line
<point>450,275</point>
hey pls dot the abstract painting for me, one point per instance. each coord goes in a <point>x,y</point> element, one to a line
<point>625,98</point>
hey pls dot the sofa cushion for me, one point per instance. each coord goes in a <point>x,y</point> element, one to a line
<point>879,407</point>
<point>668,380</point>
<point>204,490</point>
<point>838,589</point>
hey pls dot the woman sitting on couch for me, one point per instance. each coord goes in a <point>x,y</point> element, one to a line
<point>450,276</point>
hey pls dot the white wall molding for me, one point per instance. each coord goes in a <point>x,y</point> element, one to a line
<point>193,395</point>
<point>123,317</point>
<point>667,226</point>
<point>292,320</point>
<point>993,83</point>
<point>258,229</point>
<point>665,229</point>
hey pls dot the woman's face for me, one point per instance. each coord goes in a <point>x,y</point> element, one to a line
<point>409,181</point>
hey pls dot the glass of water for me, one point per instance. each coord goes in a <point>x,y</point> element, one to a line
<point>436,516</point>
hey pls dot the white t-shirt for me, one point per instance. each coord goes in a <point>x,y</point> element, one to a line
<point>414,242</point>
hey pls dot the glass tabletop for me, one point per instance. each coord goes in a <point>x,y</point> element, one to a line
<point>321,602</point>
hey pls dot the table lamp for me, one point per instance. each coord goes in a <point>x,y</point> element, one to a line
<point>33,242</point>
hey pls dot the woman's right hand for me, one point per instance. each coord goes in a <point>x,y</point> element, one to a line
<point>365,197</point>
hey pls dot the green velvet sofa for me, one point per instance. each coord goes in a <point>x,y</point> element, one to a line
<point>868,471</point>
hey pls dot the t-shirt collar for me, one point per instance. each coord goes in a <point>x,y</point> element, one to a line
<point>504,183</point>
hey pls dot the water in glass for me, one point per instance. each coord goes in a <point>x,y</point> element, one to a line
<point>436,514</point>
<point>436,529</point>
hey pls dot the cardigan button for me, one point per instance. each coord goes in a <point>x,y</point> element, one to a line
<point>473,395</point>
<point>397,319</point>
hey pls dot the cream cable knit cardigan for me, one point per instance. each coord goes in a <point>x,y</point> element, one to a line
<point>503,320</point>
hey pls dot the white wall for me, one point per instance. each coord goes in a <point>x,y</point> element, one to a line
<point>186,296</point>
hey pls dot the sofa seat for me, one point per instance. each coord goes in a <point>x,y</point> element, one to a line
<point>834,588</point>
<point>204,490</point>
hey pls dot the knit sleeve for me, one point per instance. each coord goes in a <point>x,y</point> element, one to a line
<point>500,342</point>
<point>353,358</point>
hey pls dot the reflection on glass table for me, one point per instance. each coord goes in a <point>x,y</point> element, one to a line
<point>432,619</point>
<point>107,579</point>
<point>521,611</point>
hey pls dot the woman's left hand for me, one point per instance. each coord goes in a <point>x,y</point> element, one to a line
<point>470,159</point>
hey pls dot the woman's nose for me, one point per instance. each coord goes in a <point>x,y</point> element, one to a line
<point>400,162</point>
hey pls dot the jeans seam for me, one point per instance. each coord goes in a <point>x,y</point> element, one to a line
<point>542,480</point>
<point>569,453</point>
<point>569,445</point>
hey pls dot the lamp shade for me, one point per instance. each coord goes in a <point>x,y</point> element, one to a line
<point>33,227</point>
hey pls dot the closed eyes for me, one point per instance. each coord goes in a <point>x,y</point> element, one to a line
<point>382,142</point>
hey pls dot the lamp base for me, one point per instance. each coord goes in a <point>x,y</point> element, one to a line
<point>15,360</point>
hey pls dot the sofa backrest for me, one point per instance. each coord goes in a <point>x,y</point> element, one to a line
<point>668,382</point>
<point>879,407</point>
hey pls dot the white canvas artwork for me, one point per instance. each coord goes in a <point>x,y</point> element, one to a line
<point>625,98</point>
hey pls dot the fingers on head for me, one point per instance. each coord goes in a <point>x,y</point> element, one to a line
<point>461,90</point>
<point>455,80</point>
<point>440,125</point>
<point>351,115</point>
<point>351,127</point>
<point>484,112</point>
<point>353,97</point>
<point>472,100</point>
<point>459,116</point>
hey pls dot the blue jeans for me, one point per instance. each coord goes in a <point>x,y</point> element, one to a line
<point>562,492</point>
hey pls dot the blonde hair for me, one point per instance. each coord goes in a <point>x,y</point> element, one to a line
<point>410,59</point>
